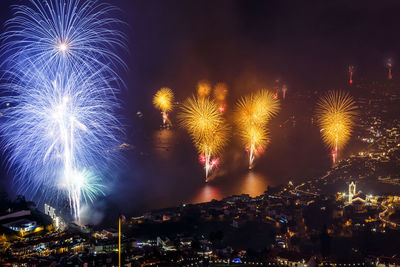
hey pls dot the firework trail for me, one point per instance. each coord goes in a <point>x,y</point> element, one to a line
<point>336,112</point>
<point>255,139</point>
<point>220,93</point>
<point>389,66</point>
<point>211,146</point>
<point>59,100</point>
<point>251,117</point>
<point>351,73</point>
<point>207,128</point>
<point>163,100</point>
<point>284,90</point>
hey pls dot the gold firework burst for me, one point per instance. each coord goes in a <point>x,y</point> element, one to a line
<point>251,117</point>
<point>203,89</point>
<point>206,126</point>
<point>336,112</point>
<point>163,99</point>
<point>200,117</point>
<point>256,109</point>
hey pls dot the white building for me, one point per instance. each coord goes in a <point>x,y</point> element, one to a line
<point>352,191</point>
<point>57,220</point>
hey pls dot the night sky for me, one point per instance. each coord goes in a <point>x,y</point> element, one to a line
<point>248,45</point>
<point>306,43</point>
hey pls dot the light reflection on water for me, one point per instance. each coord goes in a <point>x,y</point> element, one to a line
<point>163,143</point>
<point>171,175</point>
<point>253,184</point>
<point>207,193</point>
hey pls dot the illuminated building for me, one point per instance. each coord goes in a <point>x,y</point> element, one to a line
<point>352,191</point>
<point>57,221</point>
<point>21,225</point>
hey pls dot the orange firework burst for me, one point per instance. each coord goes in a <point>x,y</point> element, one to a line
<point>251,117</point>
<point>336,112</point>
<point>220,93</point>
<point>163,100</point>
<point>206,126</point>
<point>203,89</point>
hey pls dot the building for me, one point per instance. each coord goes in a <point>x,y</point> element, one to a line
<point>58,222</point>
<point>22,225</point>
<point>352,191</point>
<point>359,205</point>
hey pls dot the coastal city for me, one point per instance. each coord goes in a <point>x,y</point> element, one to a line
<point>353,227</point>
<point>199,133</point>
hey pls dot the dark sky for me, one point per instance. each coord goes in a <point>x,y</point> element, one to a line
<point>308,44</point>
<point>248,45</point>
<point>303,42</point>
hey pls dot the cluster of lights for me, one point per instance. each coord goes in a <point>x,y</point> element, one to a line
<point>278,263</point>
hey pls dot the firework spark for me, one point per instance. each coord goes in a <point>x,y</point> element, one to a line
<point>255,139</point>
<point>336,112</point>
<point>163,100</point>
<point>389,66</point>
<point>65,34</point>
<point>257,108</point>
<point>351,73</point>
<point>252,115</point>
<point>210,147</point>
<point>207,128</point>
<point>220,93</point>
<point>56,131</point>
<point>266,104</point>
<point>203,89</point>
<point>284,91</point>
<point>200,117</point>
<point>60,98</point>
